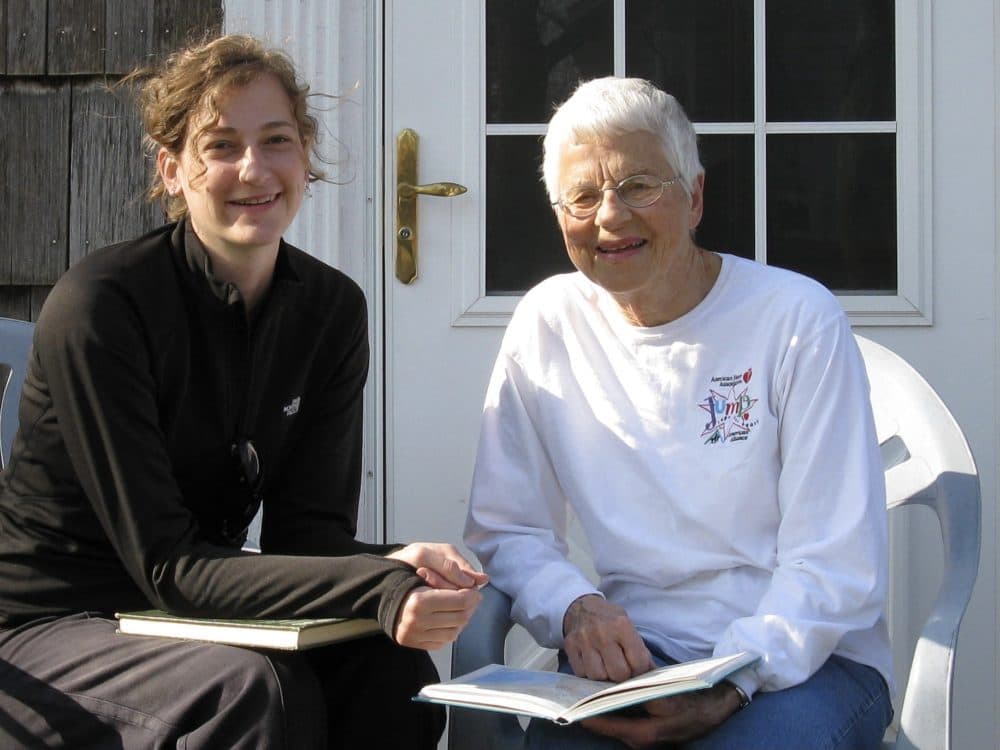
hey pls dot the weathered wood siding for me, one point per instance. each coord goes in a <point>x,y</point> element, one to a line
<point>72,171</point>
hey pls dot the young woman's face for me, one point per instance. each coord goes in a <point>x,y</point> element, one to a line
<point>243,178</point>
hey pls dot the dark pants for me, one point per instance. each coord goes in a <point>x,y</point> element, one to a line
<point>72,682</point>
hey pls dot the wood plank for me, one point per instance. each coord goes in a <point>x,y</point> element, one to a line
<point>108,171</point>
<point>128,35</point>
<point>33,222</point>
<point>15,302</point>
<point>26,37</point>
<point>177,24</point>
<point>38,295</point>
<point>76,37</point>
<point>3,37</point>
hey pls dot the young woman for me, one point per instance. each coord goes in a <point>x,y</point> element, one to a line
<point>178,382</point>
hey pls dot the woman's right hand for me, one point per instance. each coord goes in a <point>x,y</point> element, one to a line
<point>601,642</point>
<point>431,618</point>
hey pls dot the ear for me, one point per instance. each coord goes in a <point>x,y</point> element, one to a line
<point>169,168</point>
<point>697,202</point>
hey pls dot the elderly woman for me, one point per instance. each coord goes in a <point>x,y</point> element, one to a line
<point>707,420</point>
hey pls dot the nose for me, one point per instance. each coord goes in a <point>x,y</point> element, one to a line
<point>252,165</point>
<point>612,210</point>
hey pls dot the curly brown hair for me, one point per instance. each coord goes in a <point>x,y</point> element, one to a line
<point>190,83</point>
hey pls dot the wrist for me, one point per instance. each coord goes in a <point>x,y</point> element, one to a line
<point>742,698</point>
<point>573,611</point>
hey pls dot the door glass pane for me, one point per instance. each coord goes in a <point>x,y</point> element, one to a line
<point>700,52</point>
<point>831,209</point>
<point>830,61</point>
<point>727,224</point>
<point>538,50</point>
<point>523,241</point>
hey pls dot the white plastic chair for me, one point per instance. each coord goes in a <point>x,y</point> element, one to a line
<point>15,345</point>
<point>927,462</point>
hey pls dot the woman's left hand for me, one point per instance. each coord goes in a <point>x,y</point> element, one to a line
<point>440,565</point>
<point>678,718</point>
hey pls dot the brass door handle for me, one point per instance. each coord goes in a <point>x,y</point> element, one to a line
<point>406,203</point>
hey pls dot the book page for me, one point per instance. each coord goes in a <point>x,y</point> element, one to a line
<point>545,692</point>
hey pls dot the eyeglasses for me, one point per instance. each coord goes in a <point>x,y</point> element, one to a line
<point>252,473</point>
<point>637,191</point>
<point>234,530</point>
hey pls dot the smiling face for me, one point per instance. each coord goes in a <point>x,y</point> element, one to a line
<point>642,256</point>
<point>243,178</point>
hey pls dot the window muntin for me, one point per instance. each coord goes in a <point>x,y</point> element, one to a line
<point>760,104</point>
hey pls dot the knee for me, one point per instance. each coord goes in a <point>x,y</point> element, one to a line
<point>278,692</point>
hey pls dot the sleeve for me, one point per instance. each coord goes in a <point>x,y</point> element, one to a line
<point>831,573</point>
<point>97,364</point>
<point>316,512</point>
<point>518,513</point>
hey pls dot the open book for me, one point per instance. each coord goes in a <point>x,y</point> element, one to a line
<point>280,634</point>
<point>565,698</point>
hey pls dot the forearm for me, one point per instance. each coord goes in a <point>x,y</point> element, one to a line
<point>278,586</point>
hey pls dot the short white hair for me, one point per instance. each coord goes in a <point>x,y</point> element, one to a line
<point>606,107</point>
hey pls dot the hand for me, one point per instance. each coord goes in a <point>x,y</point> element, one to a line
<point>440,565</point>
<point>678,718</point>
<point>601,641</point>
<point>432,618</point>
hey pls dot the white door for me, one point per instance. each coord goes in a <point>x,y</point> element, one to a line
<point>436,371</point>
<point>475,82</point>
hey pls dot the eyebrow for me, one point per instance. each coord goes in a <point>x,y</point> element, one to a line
<point>272,125</point>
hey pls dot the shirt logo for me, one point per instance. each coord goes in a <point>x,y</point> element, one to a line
<point>292,407</point>
<point>730,409</point>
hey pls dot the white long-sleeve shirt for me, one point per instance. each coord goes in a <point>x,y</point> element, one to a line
<point>723,467</point>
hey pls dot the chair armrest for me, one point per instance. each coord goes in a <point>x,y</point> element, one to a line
<point>925,721</point>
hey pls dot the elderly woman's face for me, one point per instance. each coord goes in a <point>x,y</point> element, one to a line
<point>631,252</point>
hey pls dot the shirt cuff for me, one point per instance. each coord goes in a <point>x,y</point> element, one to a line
<point>555,606</point>
<point>744,698</point>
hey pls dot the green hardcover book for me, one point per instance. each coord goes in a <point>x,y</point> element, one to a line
<point>288,635</point>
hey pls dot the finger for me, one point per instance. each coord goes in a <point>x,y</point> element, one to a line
<point>441,605</point>
<point>616,664</point>
<point>481,578</point>
<point>433,618</point>
<point>464,569</point>
<point>456,572</point>
<point>585,657</point>
<point>636,655</point>
<point>594,664</point>
<point>435,580</point>
<point>602,655</point>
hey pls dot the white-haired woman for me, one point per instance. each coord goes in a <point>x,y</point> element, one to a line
<point>707,419</point>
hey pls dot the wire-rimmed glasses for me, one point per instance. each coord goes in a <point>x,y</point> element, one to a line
<point>637,191</point>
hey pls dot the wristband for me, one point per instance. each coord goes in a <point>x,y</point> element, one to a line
<point>744,698</point>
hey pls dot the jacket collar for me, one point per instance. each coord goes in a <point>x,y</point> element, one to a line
<point>196,259</point>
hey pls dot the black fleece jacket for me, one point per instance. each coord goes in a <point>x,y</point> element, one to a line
<point>123,491</point>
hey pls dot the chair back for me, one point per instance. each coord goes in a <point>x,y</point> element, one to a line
<point>928,462</point>
<point>15,345</point>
